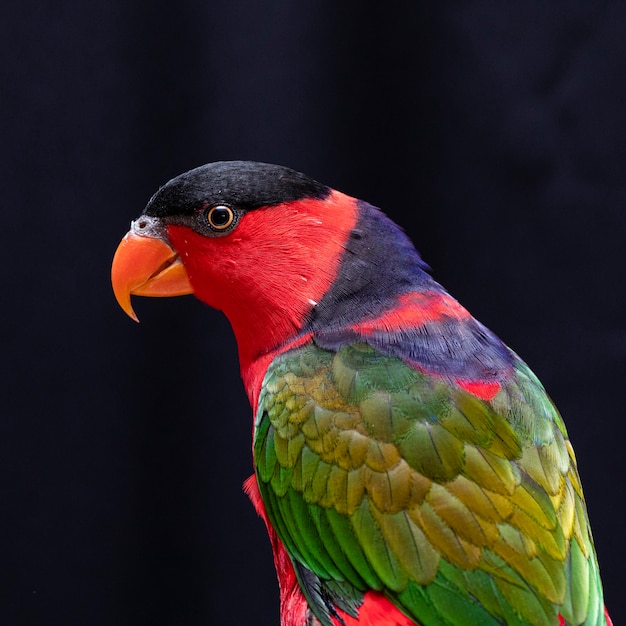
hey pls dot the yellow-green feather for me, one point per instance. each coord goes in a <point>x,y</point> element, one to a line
<point>378,476</point>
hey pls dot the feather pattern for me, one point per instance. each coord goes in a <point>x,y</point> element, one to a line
<point>379,476</point>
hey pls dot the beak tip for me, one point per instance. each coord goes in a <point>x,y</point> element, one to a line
<point>124,302</point>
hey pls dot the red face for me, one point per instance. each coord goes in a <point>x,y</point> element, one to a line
<point>265,274</point>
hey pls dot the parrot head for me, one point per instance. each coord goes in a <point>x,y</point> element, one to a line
<point>270,247</point>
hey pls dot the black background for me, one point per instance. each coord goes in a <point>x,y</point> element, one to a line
<point>494,132</point>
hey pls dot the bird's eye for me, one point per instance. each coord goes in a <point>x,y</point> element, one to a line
<point>220,217</point>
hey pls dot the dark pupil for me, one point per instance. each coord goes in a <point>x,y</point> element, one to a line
<point>219,217</point>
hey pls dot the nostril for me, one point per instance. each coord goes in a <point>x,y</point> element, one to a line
<point>142,225</point>
<point>147,226</point>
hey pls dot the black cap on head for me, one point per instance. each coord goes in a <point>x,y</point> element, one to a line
<point>243,184</point>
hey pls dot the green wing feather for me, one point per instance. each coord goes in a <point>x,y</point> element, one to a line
<point>377,476</point>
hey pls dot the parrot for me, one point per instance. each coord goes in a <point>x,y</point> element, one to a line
<point>410,468</point>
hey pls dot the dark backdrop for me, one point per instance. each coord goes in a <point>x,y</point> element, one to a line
<point>493,131</point>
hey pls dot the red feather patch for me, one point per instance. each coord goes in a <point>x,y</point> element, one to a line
<point>482,390</point>
<point>376,610</point>
<point>413,310</point>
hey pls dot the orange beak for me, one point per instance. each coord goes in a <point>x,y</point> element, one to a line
<point>146,266</point>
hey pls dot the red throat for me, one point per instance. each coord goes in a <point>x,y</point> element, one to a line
<point>274,267</point>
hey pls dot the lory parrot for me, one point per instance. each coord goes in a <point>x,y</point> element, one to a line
<point>410,468</point>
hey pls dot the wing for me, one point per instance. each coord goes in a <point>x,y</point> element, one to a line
<point>461,510</point>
